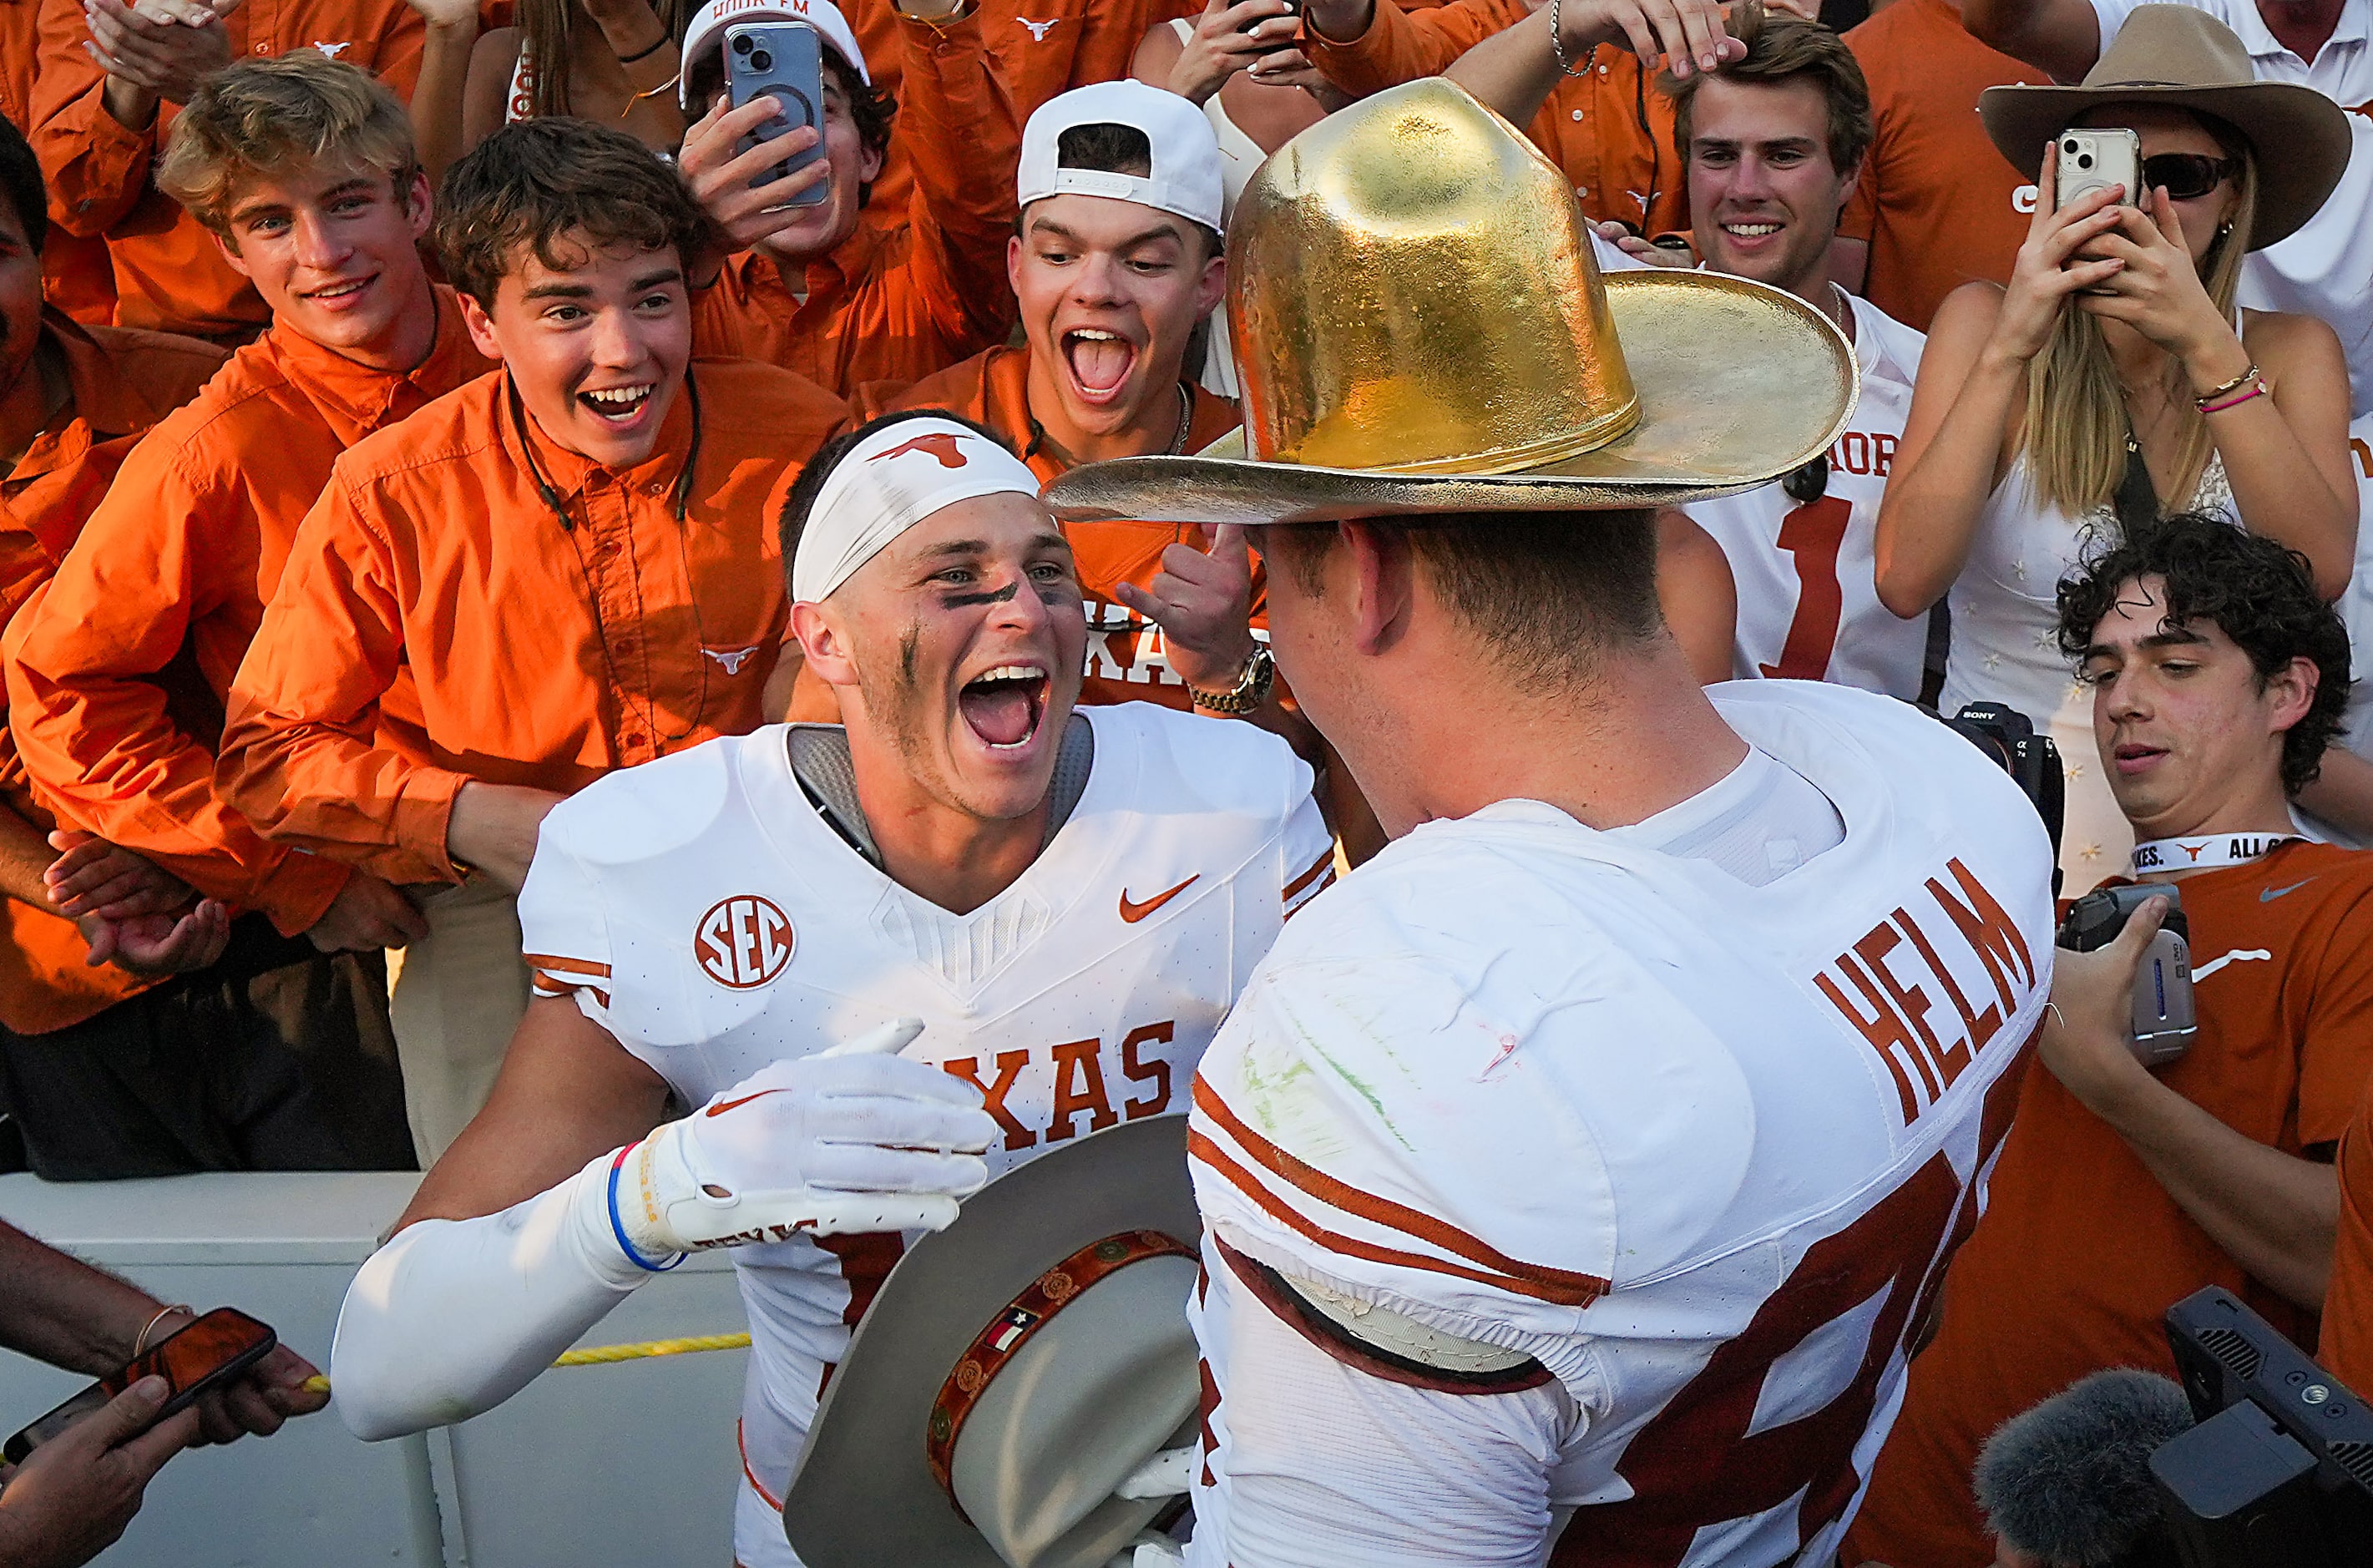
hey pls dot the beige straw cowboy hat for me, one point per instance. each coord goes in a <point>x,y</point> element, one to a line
<point>2178,57</point>
<point>1421,327</point>
<point>1022,1392</point>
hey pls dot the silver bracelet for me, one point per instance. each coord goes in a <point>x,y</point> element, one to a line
<point>1557,44</point>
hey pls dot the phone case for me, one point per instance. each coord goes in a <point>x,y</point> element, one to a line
<point>193,1359</point>
<point>2094,161</point>
<point>783,61</point>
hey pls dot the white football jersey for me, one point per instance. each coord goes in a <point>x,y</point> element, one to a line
<point>1699,1149</point>
<point>702,910</point>
<point>1806,571</point>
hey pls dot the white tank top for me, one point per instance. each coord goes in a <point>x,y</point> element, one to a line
<point>701,909</point>
<point>2006,647</point>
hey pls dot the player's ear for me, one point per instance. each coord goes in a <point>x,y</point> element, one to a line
<point>824,643</point>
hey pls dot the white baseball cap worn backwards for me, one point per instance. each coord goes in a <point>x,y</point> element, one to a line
<point>888,483</point>
<point>1186,179</point>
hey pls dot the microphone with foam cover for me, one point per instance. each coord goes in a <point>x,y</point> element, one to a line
<point>2068,1483</point>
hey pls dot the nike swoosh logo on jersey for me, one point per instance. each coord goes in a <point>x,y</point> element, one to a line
<point>1133,912</point>
<point>732,1105</point>
<point>2267,896</point>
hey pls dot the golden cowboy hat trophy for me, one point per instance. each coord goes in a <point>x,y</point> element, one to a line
<point>1421,327</point>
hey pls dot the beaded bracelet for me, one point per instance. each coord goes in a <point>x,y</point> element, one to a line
<point>2257,389</point>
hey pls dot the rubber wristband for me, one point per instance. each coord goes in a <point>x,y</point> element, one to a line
<point>618,1229</point>
<point>2235,402</point>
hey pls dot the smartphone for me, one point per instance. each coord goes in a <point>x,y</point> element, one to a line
<point>783,61</point>
<point>195,1358</point>
<point>2161,1021</point>
<point>2095,160</point>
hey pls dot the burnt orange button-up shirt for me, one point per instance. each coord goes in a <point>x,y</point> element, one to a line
<point>1609,130</point>
<point>169,274</point>
<point>170,580</point>
<point>1039,48</point>
<point>74,272</point>
<point>895,303</point>
<point>119,383</point>
<point>544,653</point>
<point>1126,661</point>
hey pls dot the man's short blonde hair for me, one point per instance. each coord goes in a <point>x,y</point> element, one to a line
<point>257,119</point>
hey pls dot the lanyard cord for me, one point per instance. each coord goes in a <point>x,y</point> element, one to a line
<point>557,505</point>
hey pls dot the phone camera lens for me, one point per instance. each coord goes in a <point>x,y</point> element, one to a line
<point>2083,162</point>
<point>762,61</point>
<point>742,45</point>
<point>2068,147</point>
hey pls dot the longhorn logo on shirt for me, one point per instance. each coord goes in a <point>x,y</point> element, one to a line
<point>743,941</point>
<point>732,658</point>
<point>333,50</point>
<point>940,444</point>
<point>1038,30</point>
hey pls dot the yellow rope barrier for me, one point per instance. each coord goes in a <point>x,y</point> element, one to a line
<point>602,1355</point>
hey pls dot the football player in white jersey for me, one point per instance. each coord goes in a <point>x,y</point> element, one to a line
<point>1773,143</point>
<point>1575,1173</point>
<point>1048,910</point>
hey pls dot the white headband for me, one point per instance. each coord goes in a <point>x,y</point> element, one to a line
<point>888,483</point>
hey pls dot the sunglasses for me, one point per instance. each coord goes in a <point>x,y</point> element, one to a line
<point>2187,176</point>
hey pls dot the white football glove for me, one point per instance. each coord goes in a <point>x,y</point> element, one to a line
<point>854,1139</point>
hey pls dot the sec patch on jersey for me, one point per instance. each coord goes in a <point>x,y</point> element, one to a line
<point>743,941</point>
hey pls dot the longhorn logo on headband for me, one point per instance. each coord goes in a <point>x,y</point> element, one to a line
<point>940,444</point>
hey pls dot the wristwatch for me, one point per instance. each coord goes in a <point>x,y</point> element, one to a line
<point>1251,689</point>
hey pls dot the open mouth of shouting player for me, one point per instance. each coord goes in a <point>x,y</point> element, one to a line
<point>963,638</point>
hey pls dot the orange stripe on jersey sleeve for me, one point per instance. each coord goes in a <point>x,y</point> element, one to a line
<point>567,965</point>
<point>1559,1286</point>
<point>1319,867</point>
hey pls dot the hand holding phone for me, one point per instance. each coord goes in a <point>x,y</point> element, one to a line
<point>2099,160</point>
<point>782,60</point>
<point>70,1499</point>
<point>199,1359</point>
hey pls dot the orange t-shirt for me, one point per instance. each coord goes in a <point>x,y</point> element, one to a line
<point>2347,1346</point>
<point>166,587</point>
<point>540,653</point>
<point>897,301</point>
<point>1038,48</point>
<point>121,383</point>
<point>1125,658</point>
<point>2081,1251</point>
<point>1609,130</point>
<point>169,274</point>
<point>1937,203</point>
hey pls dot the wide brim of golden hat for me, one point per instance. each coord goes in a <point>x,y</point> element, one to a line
<point>1739,383</point>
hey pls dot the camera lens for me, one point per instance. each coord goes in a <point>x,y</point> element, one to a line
<point>2084,162</point>
<point>762,61</point>
<point>2068,147</point>
<point>742,45</point>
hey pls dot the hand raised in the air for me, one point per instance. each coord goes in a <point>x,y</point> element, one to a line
<point>1203,604</point>
<point>855,1138</point>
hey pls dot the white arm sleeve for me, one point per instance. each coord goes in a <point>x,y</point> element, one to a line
<point>1324,1465</point>
<point>453,1317</point>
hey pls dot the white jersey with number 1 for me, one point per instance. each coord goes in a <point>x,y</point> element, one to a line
<point>703,910</point>
<point>1806,571</point>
